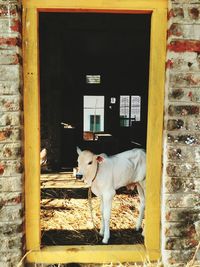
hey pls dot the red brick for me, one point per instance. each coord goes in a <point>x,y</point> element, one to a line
<point>16,25</point>
<point>1,169</point>
<point>176,229</point>
<point>8,10</point>
<point>174,243</point>
<point>11,184</point>
<point>10,134</point>
<point>176,13</point>
<point>184,46</point>
<point>11,213</point>
<point>10,59</point>
<point>175,30</point>
<point>194,13</point>
<point>5,134</point>
<point>189,170</point>
<point>169,64</point>
<point>180,153</point>
<point>10,198</point>
<point>185,215</point>
<point>183,110</point>
<point>10,41</point>
<point>185,79</point>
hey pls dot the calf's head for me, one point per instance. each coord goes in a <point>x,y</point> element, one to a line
<point>87,165</point>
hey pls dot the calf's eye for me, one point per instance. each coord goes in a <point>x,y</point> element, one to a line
<point>89,163</point>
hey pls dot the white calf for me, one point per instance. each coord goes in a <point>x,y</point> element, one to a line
<point>106,174</point>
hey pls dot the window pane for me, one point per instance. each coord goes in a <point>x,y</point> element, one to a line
<point>135,108</point>
<point>124,122</point>
<point>95,123</point>
<point>93,114</point>
<point>124,106</point>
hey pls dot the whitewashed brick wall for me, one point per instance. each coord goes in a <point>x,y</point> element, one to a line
<point>181,157</point>
<point>11,137</point>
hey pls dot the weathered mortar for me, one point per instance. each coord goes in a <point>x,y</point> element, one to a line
<point>11,149</point>
<point>181,169</point>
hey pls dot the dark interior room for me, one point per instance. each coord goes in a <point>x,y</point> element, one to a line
<point>88,57</point>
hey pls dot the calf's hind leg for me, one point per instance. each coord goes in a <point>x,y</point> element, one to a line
<point>101,232</point>
<point>140,189</point>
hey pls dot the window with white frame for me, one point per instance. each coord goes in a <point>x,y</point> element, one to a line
<point>93,114</point>
<point>130,110</point>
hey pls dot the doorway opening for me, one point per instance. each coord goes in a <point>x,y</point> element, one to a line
<point>93,116</point>
<point>94,73</point>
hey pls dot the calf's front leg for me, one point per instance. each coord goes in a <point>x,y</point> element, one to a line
<point>107,205</point>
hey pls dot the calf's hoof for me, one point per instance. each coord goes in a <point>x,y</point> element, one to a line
<point>139,229</point>
<point>143,232</point>
<point>105,241</point>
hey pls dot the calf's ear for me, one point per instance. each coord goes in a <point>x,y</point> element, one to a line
<point>100,159</point>
<point>78,150</point>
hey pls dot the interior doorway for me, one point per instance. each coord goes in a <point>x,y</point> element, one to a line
<point>93,55</point>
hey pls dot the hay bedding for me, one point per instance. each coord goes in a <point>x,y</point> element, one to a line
<point>66,217</point>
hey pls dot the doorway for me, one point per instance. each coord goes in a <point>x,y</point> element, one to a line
<point>121,253</point>
<point>93,55</point>
<point>93,94</point>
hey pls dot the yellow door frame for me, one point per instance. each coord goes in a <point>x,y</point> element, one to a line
<point>109,253</point>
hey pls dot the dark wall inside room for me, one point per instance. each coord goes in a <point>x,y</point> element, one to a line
<point>72,45</point>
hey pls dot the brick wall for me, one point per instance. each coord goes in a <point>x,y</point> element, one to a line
<point>181,168</point>
<point>181,177</point>
<point>11,170</point>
